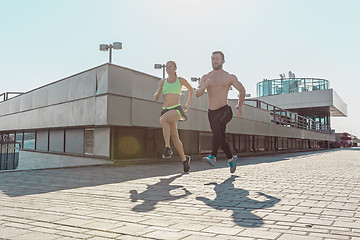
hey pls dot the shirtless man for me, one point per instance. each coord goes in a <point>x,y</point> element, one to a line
<point>218,83</point>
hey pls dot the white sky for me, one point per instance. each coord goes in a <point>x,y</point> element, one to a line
<point>43,41</point>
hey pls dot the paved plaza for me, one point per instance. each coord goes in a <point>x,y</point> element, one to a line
<point>311,195</point>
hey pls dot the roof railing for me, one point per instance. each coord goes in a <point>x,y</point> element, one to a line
<point>286,118</point>
<point>7,95</point>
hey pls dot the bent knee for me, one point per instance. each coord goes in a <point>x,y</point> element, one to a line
<point>163,120</point>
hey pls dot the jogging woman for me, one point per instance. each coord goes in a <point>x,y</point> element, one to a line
<point>172,111</point>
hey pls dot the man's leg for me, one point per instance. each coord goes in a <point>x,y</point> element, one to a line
<point>224,144</point>
<point>225,118</point>
<point>215,142</point>
<point>216,131</point>
<point>232,160</point>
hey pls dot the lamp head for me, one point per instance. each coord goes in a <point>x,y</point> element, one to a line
<point>158,66</point>
<point>117,45</point>
<point>104,47</point>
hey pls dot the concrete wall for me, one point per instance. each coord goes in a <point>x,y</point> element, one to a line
<point>69,102</point>
<point>110,95</point>
<point>310,99</point>
<point>133,91</point>
<point>339,106</point>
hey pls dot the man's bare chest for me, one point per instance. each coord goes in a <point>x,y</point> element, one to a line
<point>219,82</point>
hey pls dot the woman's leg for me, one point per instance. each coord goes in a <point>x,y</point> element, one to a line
<point>177,142</point>
<point>165,129</point>
<point>165,120</point>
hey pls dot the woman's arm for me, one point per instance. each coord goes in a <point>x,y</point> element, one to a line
<point>158,91</point>
<point>185,83</point>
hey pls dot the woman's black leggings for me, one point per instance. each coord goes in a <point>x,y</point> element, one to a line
<point>218,119</point>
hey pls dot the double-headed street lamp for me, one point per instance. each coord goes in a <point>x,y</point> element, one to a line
<point>159,66</point>
<point>195,79</point>
<point>106,47</point>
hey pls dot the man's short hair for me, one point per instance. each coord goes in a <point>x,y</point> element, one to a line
<point>221,53</point>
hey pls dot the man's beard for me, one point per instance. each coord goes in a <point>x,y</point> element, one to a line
<point>217,67</point>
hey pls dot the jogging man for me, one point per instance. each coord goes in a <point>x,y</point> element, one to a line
<point>218,83</point>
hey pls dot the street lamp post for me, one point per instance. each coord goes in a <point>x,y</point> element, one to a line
<point>159,66</point>
<point>195,79</point>
<point>106,47</point>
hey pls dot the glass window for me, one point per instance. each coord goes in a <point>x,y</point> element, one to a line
<point>285,85</point>
<point>11,142</point>
<point>266,88</point>
<point>271,87</point>
<point>316,84</point>
<point>2,143</point>
<point>290,85</point>
<point>308,85</point>
<point>19,139</point>
<point>293,85</point>
<point>301,86</point>
<point>260,89</point>
<point>29,140</point>
<point>277,87</point>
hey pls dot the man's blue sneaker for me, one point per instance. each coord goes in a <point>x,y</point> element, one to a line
<point>210,159</point>
<point>232,164</point>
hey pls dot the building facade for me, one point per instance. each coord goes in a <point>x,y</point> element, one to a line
<point>108,112</point>
<point>309,97</point>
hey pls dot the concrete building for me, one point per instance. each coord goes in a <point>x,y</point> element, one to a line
<point>108,112</point>
<point>309,97</point>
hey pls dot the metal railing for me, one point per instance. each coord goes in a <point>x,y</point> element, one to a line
<point>286,118</point>
<point>7,95</point>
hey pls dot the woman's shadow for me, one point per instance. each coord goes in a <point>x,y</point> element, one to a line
<point>159,192</point>
<point>237,200</point>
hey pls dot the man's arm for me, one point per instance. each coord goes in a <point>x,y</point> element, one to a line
<point>242,92</point>
<point>204,83</point>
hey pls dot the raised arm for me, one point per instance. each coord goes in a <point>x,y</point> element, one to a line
<point>185,83</point>
<point>204,83</point>
<point>242,92</point>
<point>158,91</point>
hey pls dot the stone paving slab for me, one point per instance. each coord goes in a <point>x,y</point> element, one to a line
<point>297,196</point>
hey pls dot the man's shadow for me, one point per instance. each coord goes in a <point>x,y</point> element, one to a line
<point>237,200</point>
<point>159,192</point>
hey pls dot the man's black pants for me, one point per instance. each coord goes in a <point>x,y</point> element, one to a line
<point>218,119</point>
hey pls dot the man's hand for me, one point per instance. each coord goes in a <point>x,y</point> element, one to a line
<point>239,108</point>
<point>202,86</point>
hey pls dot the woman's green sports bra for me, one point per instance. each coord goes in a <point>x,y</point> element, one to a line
<point>172,87</point>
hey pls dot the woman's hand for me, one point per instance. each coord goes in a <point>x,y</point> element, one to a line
<point>187,107</point>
